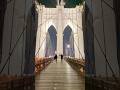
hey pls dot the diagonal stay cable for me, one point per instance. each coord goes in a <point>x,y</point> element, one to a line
<point>104,38</point>
<point>40,46</point>
<point>25,6</point>
<point>45,37</point>
<point>79,50</point>
<point>74,22</point>
<point>110,67</point>
<point>108,4</point>
<point>75,41</point>
<point>10,54</point>
<point>11,33</point>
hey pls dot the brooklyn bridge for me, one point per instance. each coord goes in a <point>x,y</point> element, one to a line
<point>59,45</point>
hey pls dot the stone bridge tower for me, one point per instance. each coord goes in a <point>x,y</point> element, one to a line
<point>60,17</point>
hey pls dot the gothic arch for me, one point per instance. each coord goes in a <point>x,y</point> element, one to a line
<point>71,25</point>
<point>51,41</point>
<point>69,40</point>
<point>51,27</point>
<point>67,26</point>
<point>48,24</point>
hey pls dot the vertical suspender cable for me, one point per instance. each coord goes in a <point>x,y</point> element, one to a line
<point>110,67</point>
<point>79,50</point>
<point>104,38</point>
<point>41,12</point>
<point>41,41</point>
<point>46,51</point>
<point>77,31</point>
<point>72,27</point>
<point>45,30</point>
<point>30,33</point>
<point>23,37</point>
<point>13,49</point>
<point>50,38</point>
<point>93,37</point>
<point>11,35</point>
<point>40,46</point>
<point>103,52</point>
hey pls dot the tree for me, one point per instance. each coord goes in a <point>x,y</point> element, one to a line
<point>53,3</point>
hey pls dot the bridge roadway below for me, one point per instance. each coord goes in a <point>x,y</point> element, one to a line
<point>59,76</point>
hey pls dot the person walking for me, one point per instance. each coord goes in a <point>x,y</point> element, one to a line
<point>55,57</point>
<point>61,57</point>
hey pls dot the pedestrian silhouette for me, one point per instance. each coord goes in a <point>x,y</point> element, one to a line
<point>61,57</point>
<point>55,57</point>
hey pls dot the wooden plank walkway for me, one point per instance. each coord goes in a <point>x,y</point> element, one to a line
<point>59,76</point>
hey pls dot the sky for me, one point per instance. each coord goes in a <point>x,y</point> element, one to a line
<point>52,33</point>
<point>66,38</point>
<point>53,3</point>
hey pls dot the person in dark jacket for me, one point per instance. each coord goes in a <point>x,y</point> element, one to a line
<point>55,57</point>
<point>61,57</point>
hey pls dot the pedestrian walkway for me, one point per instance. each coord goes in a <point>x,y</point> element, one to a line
<point>59,76</point>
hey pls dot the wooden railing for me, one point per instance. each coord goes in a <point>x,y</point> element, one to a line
<point>77,64</point>
<point>97,83</point>
<point>17,82</point>
<point>41,64</point>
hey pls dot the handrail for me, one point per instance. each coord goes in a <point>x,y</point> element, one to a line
<point>41,64</point>
<point>77,64</point>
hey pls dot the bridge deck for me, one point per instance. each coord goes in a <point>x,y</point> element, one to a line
<point>59,76</point>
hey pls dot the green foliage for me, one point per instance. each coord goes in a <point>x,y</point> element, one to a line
<point>73,3</point>
<point>53,3</point>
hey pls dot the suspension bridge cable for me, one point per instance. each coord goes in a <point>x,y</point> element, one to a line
<point>93,37</point>
<point>110,67</point>
<point>74,40</point>
<point>45,21</point>
<point>45,37</point>
<point>108,5</point>
<point>11,34</point>
<point>77,27</point>
<point>106,59</point>
<point>45,27</point>
<point>11,51</point>
<point>23,37</point>
<point>41,26</point>
<point>40,46</point>
<point>10,54</point>
<point>104,38</point>
<point>79,50</point>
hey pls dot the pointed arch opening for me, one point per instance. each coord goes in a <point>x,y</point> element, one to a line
<point>68,42</point>
<point>51,41</point>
